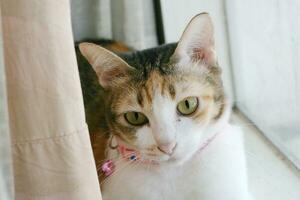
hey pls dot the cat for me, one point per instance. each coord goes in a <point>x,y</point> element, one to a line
<point>165,114</point>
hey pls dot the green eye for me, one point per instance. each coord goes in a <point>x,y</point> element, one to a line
<point>188,105</point>
<point>136,118</point>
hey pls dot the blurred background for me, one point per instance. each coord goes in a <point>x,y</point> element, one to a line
<point>258,47</point>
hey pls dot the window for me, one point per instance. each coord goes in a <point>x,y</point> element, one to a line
<point>265,46</point>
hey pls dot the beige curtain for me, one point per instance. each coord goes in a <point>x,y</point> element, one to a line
<point>6,191</point>
<point>51,151</point>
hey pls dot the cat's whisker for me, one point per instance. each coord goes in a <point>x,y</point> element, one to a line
<point>119,170</point>
<point>115,161</point>
<point>101,162</point>
<point>117,156</point>
<point>120,167</point>
<point>120,159</point>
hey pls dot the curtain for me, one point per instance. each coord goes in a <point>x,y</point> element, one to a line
<point>132,22</point>
<point>5,156</point>
<point>51,152</point>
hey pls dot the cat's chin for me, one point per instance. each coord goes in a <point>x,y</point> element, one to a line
<point>176,160</point>
<point>170,161</point>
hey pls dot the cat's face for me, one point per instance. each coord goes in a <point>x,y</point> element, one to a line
<point>166,111</point>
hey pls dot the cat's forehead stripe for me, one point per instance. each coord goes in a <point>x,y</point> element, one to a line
<point>162,83</point>
<point>148,92</point>
<point>140,99</point>
<point>163,87</point>
<point>172,91</point>
<point>156,81</point>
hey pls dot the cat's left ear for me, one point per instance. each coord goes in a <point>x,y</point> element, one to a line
<point>197,41</point>
<point>107,65</point>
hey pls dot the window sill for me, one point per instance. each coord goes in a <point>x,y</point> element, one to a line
<point>271,175</point>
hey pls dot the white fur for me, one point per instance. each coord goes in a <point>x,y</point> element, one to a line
<point>216,173</point>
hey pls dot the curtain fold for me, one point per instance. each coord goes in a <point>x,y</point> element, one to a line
<point>51,151</point>
<point>6,182</point>
<point>131,22</point>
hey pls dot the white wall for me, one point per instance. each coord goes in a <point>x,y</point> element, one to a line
<point>177,14</point>
<point>265,49</point>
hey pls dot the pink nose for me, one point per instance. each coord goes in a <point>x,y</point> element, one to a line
<point>167,148</point>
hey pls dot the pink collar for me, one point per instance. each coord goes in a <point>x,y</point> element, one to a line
<point>132,155</point>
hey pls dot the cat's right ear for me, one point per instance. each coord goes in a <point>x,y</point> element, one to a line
<point>197,42</point>
<point>106,64</point>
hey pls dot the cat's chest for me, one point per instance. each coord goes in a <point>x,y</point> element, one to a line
<point>205,176</point>
<point>139,182</point>
<point>136,181</point>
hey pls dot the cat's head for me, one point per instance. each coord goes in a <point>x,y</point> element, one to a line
<point>165,102</point>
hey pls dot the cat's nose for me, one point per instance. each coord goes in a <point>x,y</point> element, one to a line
<point>167,148</point>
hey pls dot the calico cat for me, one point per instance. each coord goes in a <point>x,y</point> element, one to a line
<point>166,117</point>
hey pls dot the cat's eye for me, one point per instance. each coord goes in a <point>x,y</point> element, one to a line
<point>136,118</point>
<point>188,105</point>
